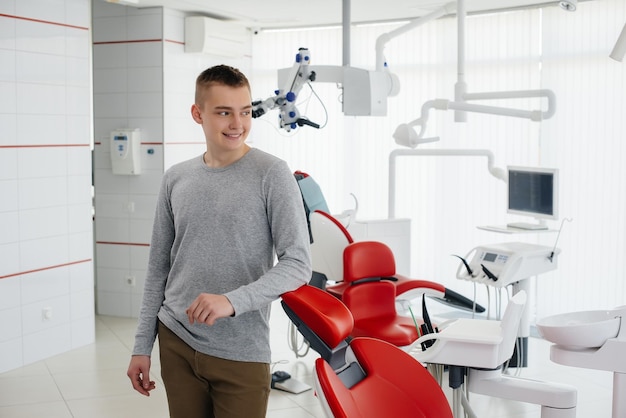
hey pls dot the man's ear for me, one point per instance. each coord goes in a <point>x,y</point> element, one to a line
<point>195,113</point>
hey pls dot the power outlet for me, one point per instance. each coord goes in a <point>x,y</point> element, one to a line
<point>130,280</point>
<point>46,314</point>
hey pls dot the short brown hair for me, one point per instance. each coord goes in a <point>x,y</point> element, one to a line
<point>219,74</point>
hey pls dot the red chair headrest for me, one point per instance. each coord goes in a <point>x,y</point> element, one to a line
<point>323,313</point>
<point>367,259</point>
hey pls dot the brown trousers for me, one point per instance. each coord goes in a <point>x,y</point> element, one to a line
<point>203,386</point>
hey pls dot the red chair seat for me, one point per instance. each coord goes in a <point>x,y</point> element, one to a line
<point>398,331</point>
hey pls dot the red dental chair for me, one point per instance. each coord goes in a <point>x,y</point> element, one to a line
<point>366,281</point>
<point>363,274</point>
<point>330,240</point>
<point>365,377</point>
<point>369,291</point>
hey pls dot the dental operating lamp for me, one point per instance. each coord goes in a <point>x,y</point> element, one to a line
<point>364,92</point>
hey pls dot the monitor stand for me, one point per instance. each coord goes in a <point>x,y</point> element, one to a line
<point>528,226</point>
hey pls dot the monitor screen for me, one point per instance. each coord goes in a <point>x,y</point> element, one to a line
<point>533,191</point>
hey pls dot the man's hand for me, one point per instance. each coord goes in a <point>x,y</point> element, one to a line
<point>139,374</point>
<point>207,308</point>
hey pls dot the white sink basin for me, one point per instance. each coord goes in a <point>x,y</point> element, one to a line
<point>587,329</point>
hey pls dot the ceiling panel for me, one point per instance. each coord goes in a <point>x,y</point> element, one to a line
<point>265,14</point>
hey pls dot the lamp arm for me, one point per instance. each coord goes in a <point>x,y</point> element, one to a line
<point>520,94</point>
<point>405,135</point>
<point>382,40</point>
<point>497,172</point>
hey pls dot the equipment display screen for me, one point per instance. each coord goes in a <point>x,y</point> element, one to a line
<point>491,257</point>
<point>533,192</point>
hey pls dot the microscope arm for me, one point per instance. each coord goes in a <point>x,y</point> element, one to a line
<point>364,92</point>
<point>285,98</point>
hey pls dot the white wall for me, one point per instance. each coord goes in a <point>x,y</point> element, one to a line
<point>142,79</point>
<point>46,239</point>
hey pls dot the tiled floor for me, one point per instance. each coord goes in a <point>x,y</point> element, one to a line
<point>91,382</point>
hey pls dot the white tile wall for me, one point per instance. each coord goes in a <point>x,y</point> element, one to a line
<point>34,320</point>
<point>10,293</point>
<point>78,13</point>
<point>9,97</point>
<point>127,93</point>
<point>35,223</point>
<point>9,253</point>
<point>47,342</point>
<point>8,191</point>
<point>48,127</point>
<point>114,303</point>
<point>147,85</point>
<point>39,37</point>
<point>8,7</point>
<point>45,177</point>
<point>44,252</point>
<point>35,192</point>
<point>11,355</point>
<point>12,320</point>
<point>80,246</point>
<point>50,99</point>
<point>9,225</point>
<point>8,130</point>
<point>52,10</point>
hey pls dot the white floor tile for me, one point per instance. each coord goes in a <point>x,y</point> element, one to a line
<point>28,390</point>
<point>56,409</point>
<point>91,382</point>
<point>130,405</point>
<point>85,385</point>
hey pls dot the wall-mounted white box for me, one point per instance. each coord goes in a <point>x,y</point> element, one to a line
<point>126,151</point>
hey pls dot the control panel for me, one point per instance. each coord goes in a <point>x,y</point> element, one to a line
<point>500,265</point>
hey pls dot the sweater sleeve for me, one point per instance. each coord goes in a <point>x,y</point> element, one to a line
<point>287,220</point>
<point>157,273</point>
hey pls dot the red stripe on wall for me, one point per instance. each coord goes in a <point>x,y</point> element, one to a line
<point>127,42</point>
<point>45,146</point>
<point>45,268</point>
<point>136,244</point>
<point>166,143</point>
<point>47,22</point>
<point>172,41</point>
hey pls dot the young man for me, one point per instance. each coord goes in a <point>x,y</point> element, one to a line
<point>221,219</point>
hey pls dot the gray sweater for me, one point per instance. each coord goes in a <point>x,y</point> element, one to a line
<point>218,231</point>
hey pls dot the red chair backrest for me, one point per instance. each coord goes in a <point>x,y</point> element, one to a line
<point>367,259</point>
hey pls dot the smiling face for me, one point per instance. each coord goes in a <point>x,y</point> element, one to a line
<point>224,109</point>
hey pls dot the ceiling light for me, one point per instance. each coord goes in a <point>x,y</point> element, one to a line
<point>569,5</point>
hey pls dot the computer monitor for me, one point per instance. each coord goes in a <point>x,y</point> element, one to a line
<point>533,192</point>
